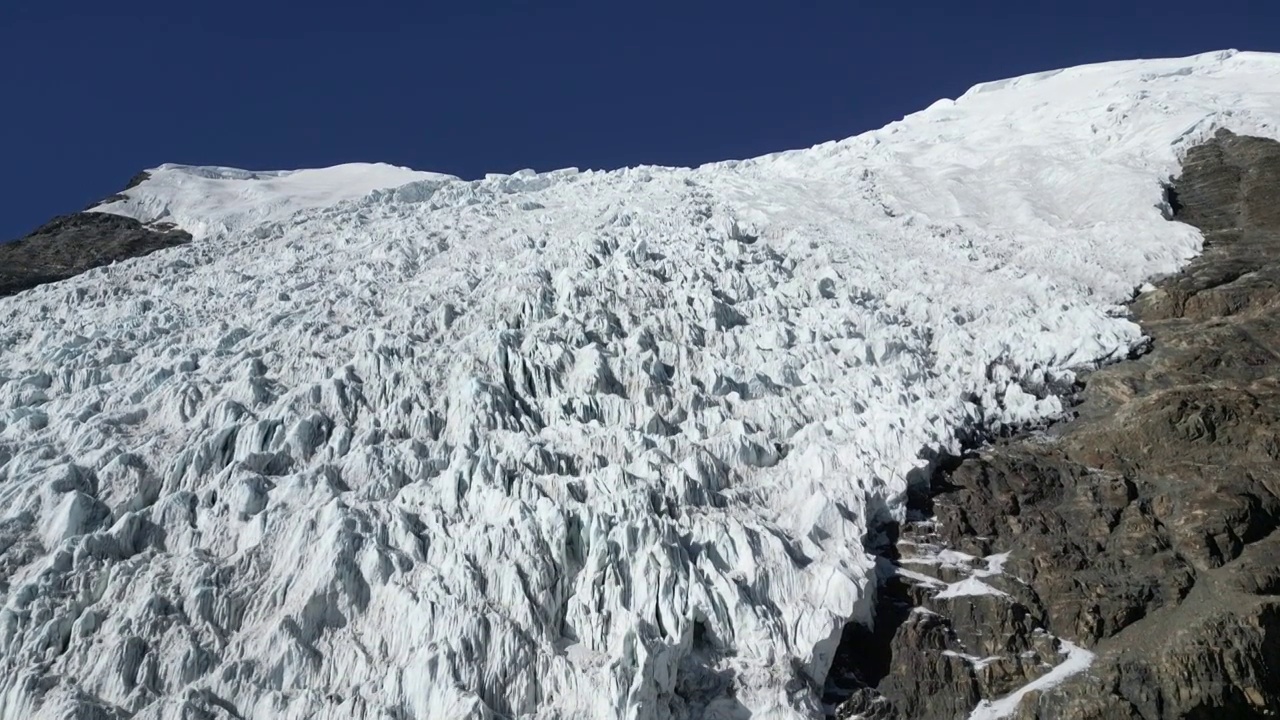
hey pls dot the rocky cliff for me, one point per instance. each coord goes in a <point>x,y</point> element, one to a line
<point>1143,531</point>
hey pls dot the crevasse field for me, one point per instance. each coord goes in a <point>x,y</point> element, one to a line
<point>389,444</point>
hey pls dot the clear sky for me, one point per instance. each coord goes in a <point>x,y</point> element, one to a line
<point>92,92</point>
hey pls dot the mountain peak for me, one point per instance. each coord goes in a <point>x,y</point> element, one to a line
<point>223,199</point>
<point>385,443</point>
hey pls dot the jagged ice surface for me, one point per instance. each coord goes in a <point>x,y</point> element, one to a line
<point>391,445</point>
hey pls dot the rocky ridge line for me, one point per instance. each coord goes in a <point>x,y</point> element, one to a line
<point>72,244</point>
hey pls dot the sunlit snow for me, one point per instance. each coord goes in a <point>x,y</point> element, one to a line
<point>1077,660</point>
<point>382,444</point>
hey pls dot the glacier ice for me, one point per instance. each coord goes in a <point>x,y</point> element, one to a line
<point>387,444</point>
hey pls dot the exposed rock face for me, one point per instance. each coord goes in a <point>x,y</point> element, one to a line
<point>1144,530</point>
<point>69,245</point>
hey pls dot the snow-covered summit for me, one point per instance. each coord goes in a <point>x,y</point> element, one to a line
<point>207,200</point>
<point>383,444</point>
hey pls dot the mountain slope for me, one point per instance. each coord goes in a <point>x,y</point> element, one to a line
<point>387,445</point>
<point>69,245</point>
<point>1145,529</point>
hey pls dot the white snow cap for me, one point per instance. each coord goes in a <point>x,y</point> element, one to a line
<point>386,444</point>
<point>209,200</point>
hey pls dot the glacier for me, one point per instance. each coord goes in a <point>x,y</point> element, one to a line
<point>390,444</point>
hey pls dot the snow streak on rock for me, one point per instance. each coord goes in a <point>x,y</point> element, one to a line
<point>1077,660</point>
<point>563,445</point>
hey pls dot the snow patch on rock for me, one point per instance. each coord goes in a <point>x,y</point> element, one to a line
<point>1077,660</point>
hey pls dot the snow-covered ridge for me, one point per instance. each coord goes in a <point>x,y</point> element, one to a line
<point>382,444</point>
<point>211,200</point>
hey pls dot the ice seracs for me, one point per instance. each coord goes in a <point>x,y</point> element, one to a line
<point>383,444</point>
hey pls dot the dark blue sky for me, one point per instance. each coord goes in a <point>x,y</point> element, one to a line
<point>91,92</point>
